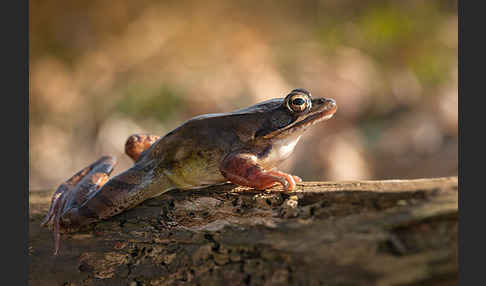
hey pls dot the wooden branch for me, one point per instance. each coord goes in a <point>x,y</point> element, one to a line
<point>393,232</point>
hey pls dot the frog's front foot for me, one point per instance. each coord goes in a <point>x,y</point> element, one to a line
<point>243,169</point>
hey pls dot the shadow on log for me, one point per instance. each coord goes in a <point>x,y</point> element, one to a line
<point>393,232</point>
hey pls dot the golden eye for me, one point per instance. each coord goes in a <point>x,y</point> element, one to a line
<point>298,103</point>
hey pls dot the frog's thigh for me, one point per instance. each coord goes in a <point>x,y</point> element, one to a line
<point>243,169</point>
<point>138,143</point>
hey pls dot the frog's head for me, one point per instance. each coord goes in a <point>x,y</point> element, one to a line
<point>293,114</point>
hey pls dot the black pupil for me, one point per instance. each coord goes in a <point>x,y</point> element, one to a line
<point>298,101</point>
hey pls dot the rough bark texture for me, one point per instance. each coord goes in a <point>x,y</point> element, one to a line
<point>394,232</point>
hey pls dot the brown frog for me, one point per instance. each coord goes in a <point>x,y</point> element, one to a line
<point>243,147</point>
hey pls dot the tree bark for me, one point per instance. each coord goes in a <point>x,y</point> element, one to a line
<point>392,232</point>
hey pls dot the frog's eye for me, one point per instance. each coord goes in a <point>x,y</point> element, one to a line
<point>298,103</point>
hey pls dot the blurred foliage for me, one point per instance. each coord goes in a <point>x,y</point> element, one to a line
<point>141,102</point>
<point>102,70</point>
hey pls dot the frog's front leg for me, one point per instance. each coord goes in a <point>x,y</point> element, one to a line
<point>244,169</point>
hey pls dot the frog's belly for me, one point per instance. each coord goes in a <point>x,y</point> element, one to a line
<point>194,172</point>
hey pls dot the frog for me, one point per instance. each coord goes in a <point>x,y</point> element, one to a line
<point>243,147</point>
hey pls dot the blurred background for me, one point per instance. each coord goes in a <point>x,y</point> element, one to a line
<point>103,70</point>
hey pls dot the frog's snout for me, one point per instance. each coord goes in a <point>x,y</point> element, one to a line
<point>328,103</point>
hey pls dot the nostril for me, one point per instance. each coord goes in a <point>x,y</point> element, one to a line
<point>331,101</point>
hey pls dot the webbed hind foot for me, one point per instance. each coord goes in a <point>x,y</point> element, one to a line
<point>73,193</point>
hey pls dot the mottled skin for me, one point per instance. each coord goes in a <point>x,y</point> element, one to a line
<point>243,147</point>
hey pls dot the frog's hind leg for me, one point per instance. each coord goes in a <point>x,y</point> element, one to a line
<point>75,192</point>
<point>138,143</point>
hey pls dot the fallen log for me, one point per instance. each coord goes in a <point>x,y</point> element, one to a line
<point>391,232</point>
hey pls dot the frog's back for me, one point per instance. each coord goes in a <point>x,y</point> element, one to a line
<point>222,132</point>
<point>226,130</point>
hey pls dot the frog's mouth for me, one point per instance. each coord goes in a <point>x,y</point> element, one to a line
<point>322,109</point>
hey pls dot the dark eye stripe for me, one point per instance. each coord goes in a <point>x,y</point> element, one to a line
<point>298,101</point>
